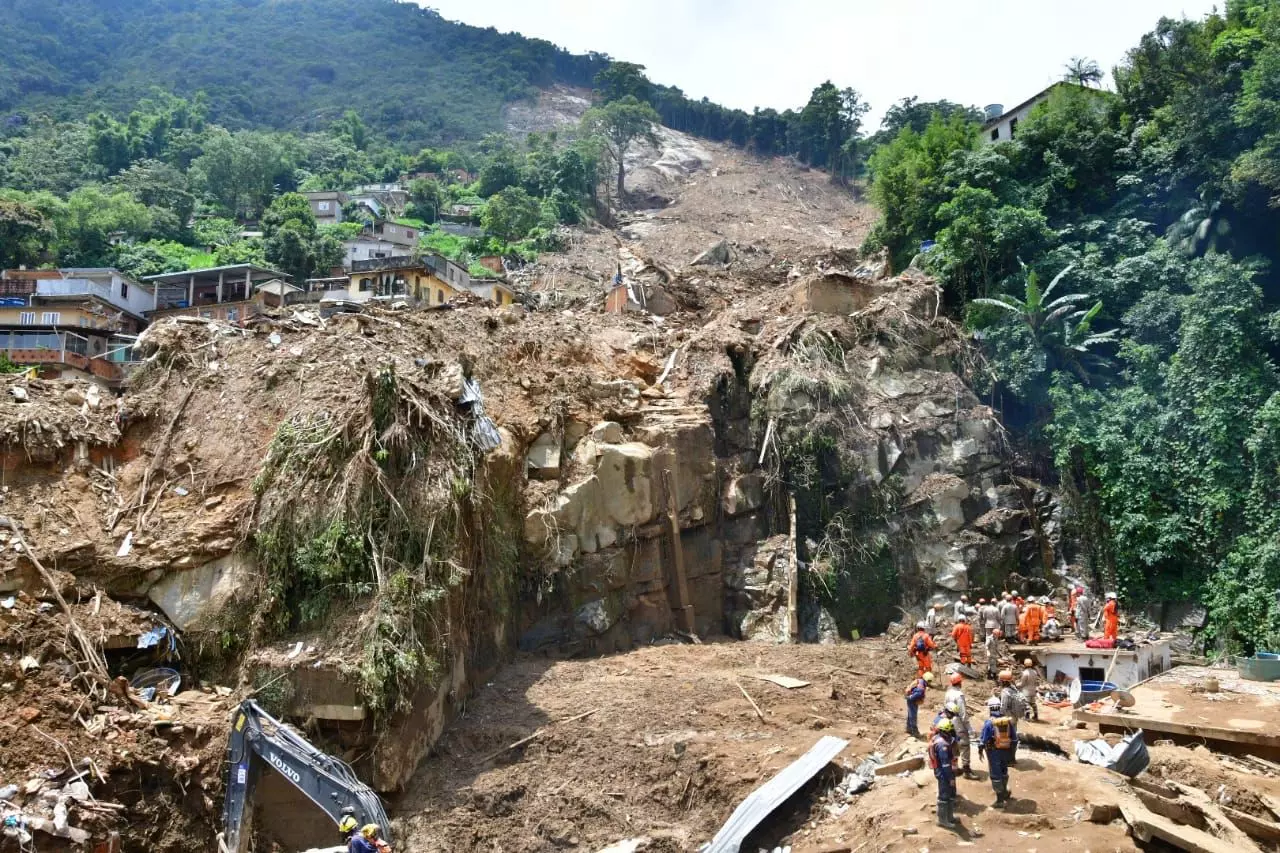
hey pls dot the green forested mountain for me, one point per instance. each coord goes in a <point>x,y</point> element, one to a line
<point>285,64</point>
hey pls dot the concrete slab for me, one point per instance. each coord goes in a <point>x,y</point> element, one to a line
<point>1242,717</point>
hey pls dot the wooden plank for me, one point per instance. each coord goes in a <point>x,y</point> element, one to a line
<point>906,765</point>
<point>782,681</point>
<point>1263,830</point>
<point>1270,802</point>
<point>1132,722</point>
<point>1147,825</point>
<point>793,578</point>
<point>685,606</point>
<point>1218,823</point>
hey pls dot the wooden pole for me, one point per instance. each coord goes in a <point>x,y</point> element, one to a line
<point>685,605</point>
<point>793,586</point>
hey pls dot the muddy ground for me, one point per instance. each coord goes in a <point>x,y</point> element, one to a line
<point>671,746</point>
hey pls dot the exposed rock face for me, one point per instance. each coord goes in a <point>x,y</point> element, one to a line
<point>923,474</point>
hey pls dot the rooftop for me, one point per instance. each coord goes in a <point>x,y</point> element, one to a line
<point>1072,646</point>
<point>229,273</point>
<point>1180,704</point>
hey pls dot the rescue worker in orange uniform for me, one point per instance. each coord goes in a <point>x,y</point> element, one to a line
<point>920,647</point>
<point>1111,618</point>
<point>1072,595</point>
<point>962,633</point>
<point>1050,609</point>
<point>1033,618</point>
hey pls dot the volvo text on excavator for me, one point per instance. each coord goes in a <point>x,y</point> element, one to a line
<point>258,740</point>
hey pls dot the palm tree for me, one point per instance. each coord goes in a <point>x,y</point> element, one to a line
<point>1061,329</point>
<point>1082,72</point>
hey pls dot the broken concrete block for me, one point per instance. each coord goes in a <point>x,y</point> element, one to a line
<point>607,432</point>
<point>543,458</point>
<point>195,596</point>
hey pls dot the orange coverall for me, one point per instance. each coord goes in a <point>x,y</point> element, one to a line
<point>1110,620</point>
<point>919,647</point>
<point>1071,607</point>
<point>962,633</point>
<point>1034,618</point>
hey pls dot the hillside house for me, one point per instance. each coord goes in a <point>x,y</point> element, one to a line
<point>367,249</point>
<point>229,293</point>
<point>1002,125</point>
<point>426,279</point>
<point>404,277</point>
<point>77,322</point>
<point>386,200</point>
<point>405,236</point>
<point>327,206</point>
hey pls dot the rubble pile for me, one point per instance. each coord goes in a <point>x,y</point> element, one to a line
<point>74,745</point>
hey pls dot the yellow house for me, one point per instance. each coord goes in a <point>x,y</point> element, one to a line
<point>403,278</point>
<point>427,279</point>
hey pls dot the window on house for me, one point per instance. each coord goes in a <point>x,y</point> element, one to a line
<point>37,340</point>
<point>439,297</point>
<point>233,315</point>
<point>995,134</point>
<point>1013,127</point>
<point>77,345</point>
<point>365,284</point>
<point>379,254</point>
<point>50,318</point>
<point>409,234</point>
<point>27,318</point>
<point>124,290</point>
<point>324,205</point>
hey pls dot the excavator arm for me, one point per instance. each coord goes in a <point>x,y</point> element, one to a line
<point>257,740</point>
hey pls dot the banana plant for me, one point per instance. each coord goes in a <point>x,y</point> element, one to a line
<point>1060,328</point>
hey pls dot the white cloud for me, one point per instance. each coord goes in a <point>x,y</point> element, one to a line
<point>748,53</point>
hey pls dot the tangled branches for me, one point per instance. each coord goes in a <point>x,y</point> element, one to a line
<point>368,505</point>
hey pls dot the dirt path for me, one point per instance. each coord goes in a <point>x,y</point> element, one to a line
<point>672,746</point>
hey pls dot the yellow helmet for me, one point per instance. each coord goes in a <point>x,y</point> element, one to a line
<point>347,824</point>
<point>945,725</point>
<point>928,677</point>
<point>370,830</point>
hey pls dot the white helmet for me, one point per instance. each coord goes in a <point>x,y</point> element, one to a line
<point>920,625</point>
<point>1111,595</point>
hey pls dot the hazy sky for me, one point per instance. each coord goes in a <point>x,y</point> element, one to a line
<point>772,53</point>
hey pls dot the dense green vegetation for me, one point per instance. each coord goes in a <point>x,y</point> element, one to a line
<point>165,188</point>
<point>1147,377</point>
<point>826,132</point>
<point>138,137</point>
<point>290,64</point>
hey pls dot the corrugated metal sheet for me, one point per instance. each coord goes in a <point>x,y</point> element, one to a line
<point>762,802</point>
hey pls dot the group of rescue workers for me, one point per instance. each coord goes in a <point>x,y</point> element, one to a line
<point>361,839</point>
<point>950,737</point>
